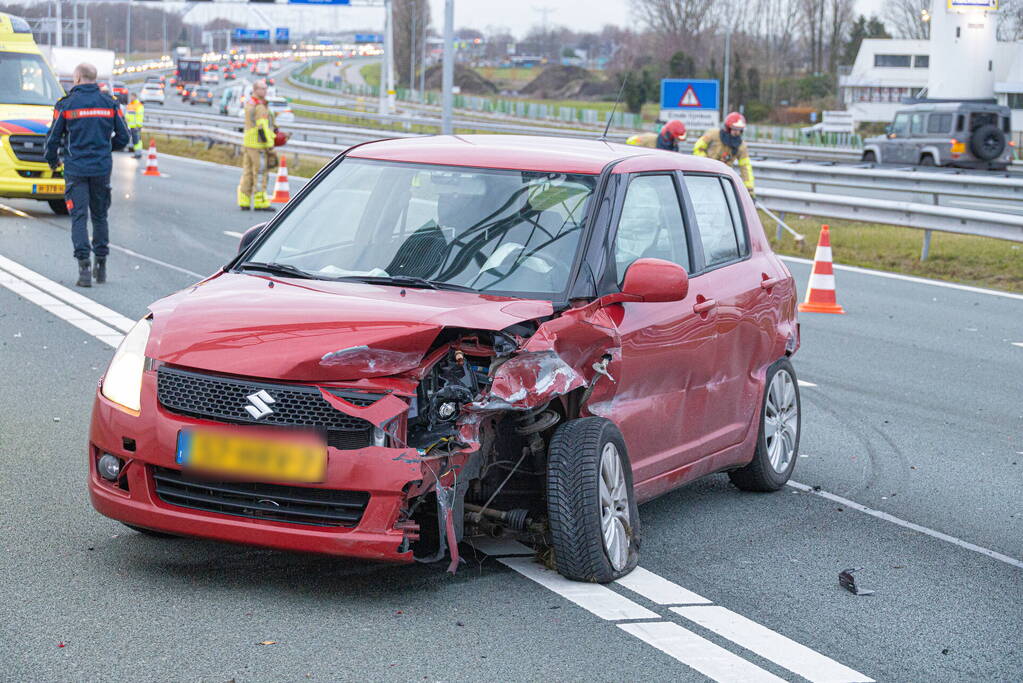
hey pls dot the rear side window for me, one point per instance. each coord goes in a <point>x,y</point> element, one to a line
<point>714,218</point>
<point>651,224</point>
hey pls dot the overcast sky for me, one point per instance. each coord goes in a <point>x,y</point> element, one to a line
<point>582,15</point>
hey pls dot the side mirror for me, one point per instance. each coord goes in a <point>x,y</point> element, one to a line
<point>888,128</point>
<point>250,234</point>
<point>654,279</point>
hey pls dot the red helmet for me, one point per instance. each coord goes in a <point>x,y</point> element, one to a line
<point>675,129</point>
<point>735,120</point>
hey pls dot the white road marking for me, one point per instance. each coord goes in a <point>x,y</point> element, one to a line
<point>804,383</point>
<point>102,313</point>
<point>713,661</point>
<point>772,646</point>
<point>908,525</point>
<point>137,255</point>
<point>500,546</point>
<point>1017,343</point>
<point>16,212</point>
<point>592,597</point>
<point>658,589</point>
<point>232,233</point>
<point>909,278</point>
<point>89,325</point>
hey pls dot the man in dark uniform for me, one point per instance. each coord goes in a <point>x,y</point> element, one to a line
<point>87,125</point>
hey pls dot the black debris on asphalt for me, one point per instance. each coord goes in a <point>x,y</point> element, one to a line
<point>847,581</point>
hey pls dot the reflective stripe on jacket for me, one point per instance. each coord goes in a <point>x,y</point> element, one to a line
<point>134,114</point>
<point>710,146</point>
<point>259,125</point>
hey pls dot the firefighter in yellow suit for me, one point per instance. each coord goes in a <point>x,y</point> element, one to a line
<point>258,150</point>
<point>726,145</point>
<point>133,116</point>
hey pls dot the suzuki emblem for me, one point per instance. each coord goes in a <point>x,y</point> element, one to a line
<point>259,401</point>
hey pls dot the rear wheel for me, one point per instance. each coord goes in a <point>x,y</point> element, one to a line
<point>58,206</point>
<point>870,157</point>
<point>594,519</point>
<point>778,440</point>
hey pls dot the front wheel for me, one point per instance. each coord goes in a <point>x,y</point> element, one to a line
<point>778,440</point>
<point>594,519</point>
<point>870,157</point>
<point>58,206</point>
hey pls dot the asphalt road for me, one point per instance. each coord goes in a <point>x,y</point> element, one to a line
<point>916,413</point>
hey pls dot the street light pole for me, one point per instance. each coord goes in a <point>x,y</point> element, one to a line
<point>389,49</point>
<point>728,62</point>
<point>448,75</point>
<point>60,24</point>
<point>127,41</point>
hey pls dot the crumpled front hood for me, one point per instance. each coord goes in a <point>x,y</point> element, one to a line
<point>308,330</point>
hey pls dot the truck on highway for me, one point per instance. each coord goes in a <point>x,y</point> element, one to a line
<point>63,60</point>
<point>28,91</point>
<point>188,75</point>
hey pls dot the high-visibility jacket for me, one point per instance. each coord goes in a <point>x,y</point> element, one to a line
<point>658,140</point>
<point>259,125</point>
<point>711,145</point>
<point>134,113</point>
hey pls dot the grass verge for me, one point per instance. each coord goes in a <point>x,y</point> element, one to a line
<point>371,74</point>
<point>978,261</point>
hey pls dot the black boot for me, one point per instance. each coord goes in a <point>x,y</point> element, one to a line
<point>84,273</point>
<point>100,271</point>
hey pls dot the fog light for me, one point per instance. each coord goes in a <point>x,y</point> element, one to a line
<point>108,467</point>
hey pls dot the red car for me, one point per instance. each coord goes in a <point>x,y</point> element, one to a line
<point>443,337</point>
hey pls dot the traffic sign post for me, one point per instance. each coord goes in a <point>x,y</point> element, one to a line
<point>694,102</point>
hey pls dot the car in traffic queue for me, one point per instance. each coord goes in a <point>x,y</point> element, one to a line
<point>152,92</point>
<point>281,109</point>
<point>26,110</point>
<point>201,95</point>
<point>159,81</point>
<point>211,78</point>
<point>446,337</point>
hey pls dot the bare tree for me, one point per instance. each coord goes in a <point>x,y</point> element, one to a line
<point>1010,20</point>
<point>411,23</point>
<point>905,17</point>
<point>679,19</point>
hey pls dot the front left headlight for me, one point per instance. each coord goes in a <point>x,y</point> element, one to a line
<point>123,382</point>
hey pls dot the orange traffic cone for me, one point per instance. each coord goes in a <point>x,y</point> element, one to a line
<point>152,168</point>
<point>820,291</point>
<point>281,193</point>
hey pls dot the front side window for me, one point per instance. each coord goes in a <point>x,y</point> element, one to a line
<point>513,232</point>
<point>651,224</point>
<point>900,126</point>
<point>713,218</point>
<point>25,79</point>
<point>917,126</point>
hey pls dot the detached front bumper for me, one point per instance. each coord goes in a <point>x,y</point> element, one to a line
<point>383,473</point>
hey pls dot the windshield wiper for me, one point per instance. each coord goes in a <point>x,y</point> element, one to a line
<point>277,269</point>
<point>405,281</point>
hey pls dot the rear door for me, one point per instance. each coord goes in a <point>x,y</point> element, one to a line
<point>732,278</point>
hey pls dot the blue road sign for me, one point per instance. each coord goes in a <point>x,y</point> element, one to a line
<point>369,38</point>
<point>687,94</point>
<point>282,35</point>
<point>252,35</point>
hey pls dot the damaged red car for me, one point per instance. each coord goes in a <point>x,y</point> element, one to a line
<point>447,337</point>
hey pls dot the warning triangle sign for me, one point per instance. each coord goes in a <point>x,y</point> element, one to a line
<point>689,98</point>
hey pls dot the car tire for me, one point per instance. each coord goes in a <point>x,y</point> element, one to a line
<point>148,532</point>
<point>987,142</point>
<point>58,206</point>
<point>775,455</point>
<point>927,160</point>
<point>870,157</point>
<point>591,505</point>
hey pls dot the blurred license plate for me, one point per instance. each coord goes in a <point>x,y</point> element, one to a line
<point>47,189</point>
<point>297,457</point>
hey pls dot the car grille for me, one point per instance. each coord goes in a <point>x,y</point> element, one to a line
<point>224,399</point>
<point>278,503</point>
<point>28,147</point>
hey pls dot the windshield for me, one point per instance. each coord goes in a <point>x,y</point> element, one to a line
<point>512,232</point>
<point>25,79</point>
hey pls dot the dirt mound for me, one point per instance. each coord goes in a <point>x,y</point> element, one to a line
<point>567,82</point>
<point>469,81</point>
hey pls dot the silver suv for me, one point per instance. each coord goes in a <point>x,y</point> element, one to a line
<point>964,134</point>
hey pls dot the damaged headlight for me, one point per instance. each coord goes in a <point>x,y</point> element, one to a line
<point>122,383</point>
<point>379,437</point>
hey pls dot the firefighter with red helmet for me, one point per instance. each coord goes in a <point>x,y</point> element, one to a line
<point>672,133</point>
<point>725,144</point>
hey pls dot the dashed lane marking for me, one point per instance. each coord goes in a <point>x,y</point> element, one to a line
<point>908,525</point>
<point>232,233</point>
<point>713,661</point>
<point>772,646</point>
<point>804,383</point>
<point>659,590</point>
<point>1017,343</point>
<point>82,303</point>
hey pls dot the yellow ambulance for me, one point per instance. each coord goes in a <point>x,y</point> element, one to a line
<point>28,91</point>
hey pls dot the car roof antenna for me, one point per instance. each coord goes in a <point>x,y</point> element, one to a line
<point>610,117</point>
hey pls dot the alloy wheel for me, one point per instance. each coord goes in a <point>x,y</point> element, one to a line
<point>614,507</point>
<point>781,421</point>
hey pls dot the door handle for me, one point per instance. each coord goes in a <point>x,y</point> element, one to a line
<point>704,306</point>
<point>769,282</point>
